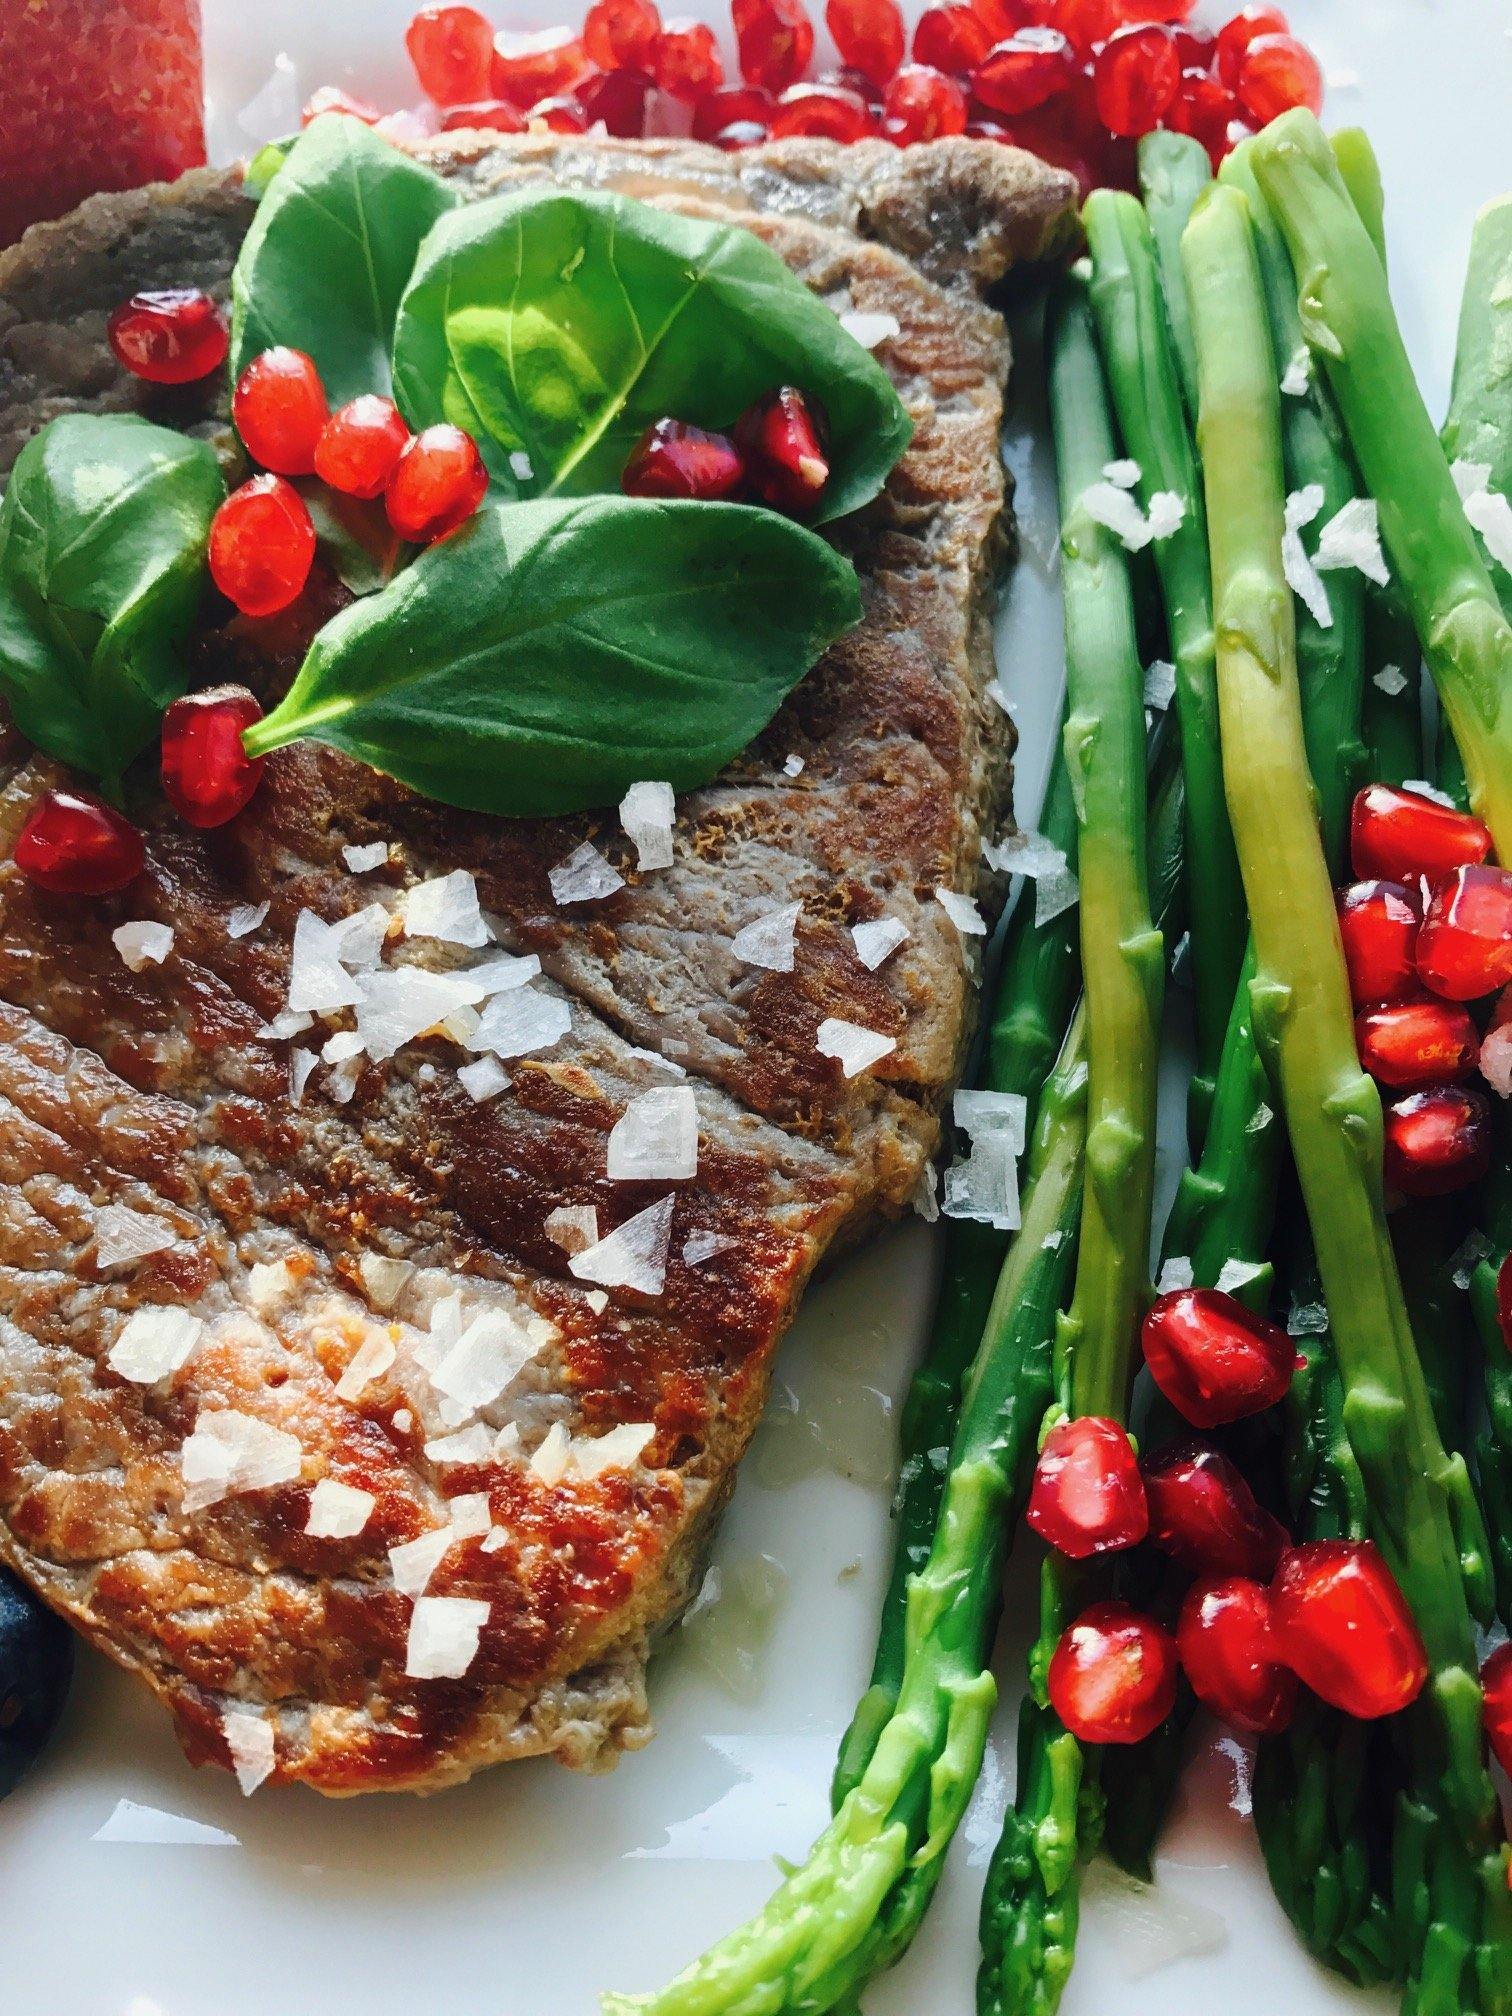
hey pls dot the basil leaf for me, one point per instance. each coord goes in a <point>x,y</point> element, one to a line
<point>103,534</point>
<point>265,164</point>
<point>557,327</point>
<point>329,252</point>
<point>550,654</point>
<point>354,536</point>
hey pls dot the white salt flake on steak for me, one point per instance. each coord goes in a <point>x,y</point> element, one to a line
<point>443,1636</point>
<point>655,1139</point>
<point>338,1511</point>
<point>584,877</point>
<point>154,1343</point>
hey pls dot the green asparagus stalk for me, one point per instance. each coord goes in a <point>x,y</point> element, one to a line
<point>1454,1916</point>
<point>1494,1465</point>
<point>1347,316</point>
<point>1173,172</point>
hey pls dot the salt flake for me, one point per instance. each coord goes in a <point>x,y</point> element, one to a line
<point>372,1358</point>
<point>1298,374</point>
<point>1302,577</point>
<point>646,813</point>
<point>633,1255</point>
<point>855,1048</point>
<point>1491,515</point>
<point>445,908</point>
<point>1160,685</point>
<point>249,1739</point>
<point>361,860</point>
<point>484,1079</point>
<point>443,1637</point>
<point>584,877</point>
<point>655,1139</point>
<point>877,940</point>
<point>522,1022</point>
<point>413,1563</point>
<point>869,328</point>
<point>319,983</point>
<point>143,943</point>
<point>962,912</point>
<point>699,1247</point>
<point>338,1511</point>
<point>153,1343</point>
<point>245,919</point>
<point>1391,680</point>
<point>573,1227</point>
<point>1352,538</point>
<point>124,1236</point>
<point>768,940</point>
<point>229,1452</point>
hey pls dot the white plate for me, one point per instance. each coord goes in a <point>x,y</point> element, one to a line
<point>133,1886</point>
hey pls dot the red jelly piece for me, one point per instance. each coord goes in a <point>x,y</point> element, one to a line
<point>1496,1687</point>
<point>452,51</point>
<point>1088,1497</point>
<point>1344,1627</point>
<point>359,446</point>
<point>1135,78</point>
<point>735,107</point>
<point>1464,949</point>
<point>869,35</point>
<point>782,439</point>
<point>437,484</point>
<point>822,112</point>
<point>331,98</point>
<point>1235,36</point>
<point>1277,73</point>
<point>618,34</point>
<point>774,40</point>
<point>1024,71</point>
<point>171,337</point>
<point>1438,1141</point>
<point>526,68</point>
<point>561,114</point>
<point>1112,1677</point>
<point>673,459</point>
<point>1379,924</point>
<point>923,104</point>
<point>72,845</point>
<point>617,101</point>
<point>207,775</point>
<point>262,546</point>
<point>279,407</point>
<point>952,39</point>
<point>685,60</point>
<point>1227,1646</point>
<point>1204,1514</point>
<point>491,115</point>
<point>1401,834</point>
<point>1411,1044</point>
<point>1213,1359</point>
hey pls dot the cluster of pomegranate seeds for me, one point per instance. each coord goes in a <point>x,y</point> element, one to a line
<point>1112,1677</point>
<point>171,337</point>
<point>207,775</point>
<point>73,844</point>
<point>777,457</point>
<point>1212,1358</point>
<point>262,546</point>
<point>1088,1497</point>
<point>1226,1639</point>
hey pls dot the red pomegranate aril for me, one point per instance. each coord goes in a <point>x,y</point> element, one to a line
<point>437,484</point>
<point>822,112</point>
<point>452,50</point>
<point>738,106</point>
<point>491,115</point>
<point>331,98</point>
<point>72,845</point>
<point>1204,1514</point>
<point>1496,1687</point>
<point>527,68</point>
<point>171,337</point>
<point>1112,1677</point>
<point>618,101</point>
<point>1002,18</point>
<point>1277,73</point>
<point>1235,36</point>
<point>869,35</point>
<point>782,440</point>
<point>1378,925</point>
<point>952,39</point>
<point>1464,949</point>
<point>618,34</point>
<point>1025,71</point>
<point>1344,1627</point>
<point>774,41</point>
<point>1088,1497</point>
<point>1169,12</point>
<point>207,775</point>
<point>1438,1141</point>
<point>1204,109</point>
<point>262,546</point>
<point>1135,78</point>
<point>1226,1642</point>
<point>1196,47</point>
<point>923,104</point>
<point>562,113</point>
<point>685,61</point>
<point>1086,23</point>
<point>1400,834</point>
<point>673,459</point>
<point>1212,1358</point>
<point>280,411</point>
<point>359,446</point>
<point>1412,1044</point>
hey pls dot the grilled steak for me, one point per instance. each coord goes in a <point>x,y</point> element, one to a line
<point>383,1270</point>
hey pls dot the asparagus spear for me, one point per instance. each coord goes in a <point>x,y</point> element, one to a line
<point>1173,172</point>
<point>1454,1916</point>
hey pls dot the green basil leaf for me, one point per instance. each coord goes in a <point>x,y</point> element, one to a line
<point>265,164</point>
<point>103,534</point>
<point>330,251</point>
<point>354,536</point>
<point>550,654</point>
<point>556,327</point>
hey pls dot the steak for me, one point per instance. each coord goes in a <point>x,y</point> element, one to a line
<point>173,1141</point>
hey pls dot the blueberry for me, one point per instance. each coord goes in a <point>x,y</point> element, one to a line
<point>36,1665</point>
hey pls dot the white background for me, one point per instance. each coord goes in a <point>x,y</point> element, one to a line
<point>527,1891</point>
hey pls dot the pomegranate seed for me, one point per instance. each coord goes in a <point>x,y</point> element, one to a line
<point>1235,36</point>
<point>262,545</point>
<point>1025,71</point>
<point>529,67</point>
<point>869,35</point>
<point>1002,18</point>
<point>1410,1044</point>
<point>822,112</point>
<point>1227,1648</point>
<point>1496,1686</point>
<point>1088,1497</point>
<point>1378,923</point>
<point>1196,47</point>
<point>1277,73</point>
<point>923,104</point>
<point>1136,76</point>
<point>169,338</point>
<point>618,34</point>
<point>618,100</point>
<point>1401,834</point>
<point>685,60</point>
<point>1204,109</point>
<point>952,39</point>
<point>1464,949</point>
<point>782,439</point>
<point>1204,1514</point>
<point>207,775</point>
<point>1133,12</point>
<point>1213,1359</point>
<point>452,50</point>
<point>280,410</point>
<point>1345,1629</point>
<point>1438,1141</point>
<point>359,446</point>
<point>560,114</point>
<point>72,845</point>
<point>775,41</point>
<point>331,98</point>
<point>673,459</point>
<point>1087,22</point>
<point>859,86</point>
<point>492,115</point>
<point>735,107</point>
<point>437,484</point>
<point>1112,1677</point>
